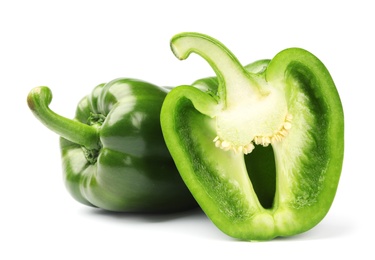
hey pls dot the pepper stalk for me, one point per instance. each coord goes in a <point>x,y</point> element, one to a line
<point>38,101</point>
<point>250,110</point>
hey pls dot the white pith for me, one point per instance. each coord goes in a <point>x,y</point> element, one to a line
<point>261,120</point>
<point>258,140</point>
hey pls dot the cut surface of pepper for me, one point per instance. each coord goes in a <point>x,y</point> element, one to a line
<point>113,152</point>
<point>260,147</point>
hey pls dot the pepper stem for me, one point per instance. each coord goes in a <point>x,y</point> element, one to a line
<point>234,81</point>
<point>251,111</point>
<point>38,100</point>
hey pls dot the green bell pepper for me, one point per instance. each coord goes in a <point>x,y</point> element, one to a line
<point>113,152</point>
<point>260,147</point>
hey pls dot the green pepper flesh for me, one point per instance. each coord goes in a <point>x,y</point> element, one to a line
<point>295,189</point>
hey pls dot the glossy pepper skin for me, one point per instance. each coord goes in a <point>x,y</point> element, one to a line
<point>113,152</point>
<point>260,147</point>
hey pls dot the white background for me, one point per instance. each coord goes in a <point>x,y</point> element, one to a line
<point>71,46</point>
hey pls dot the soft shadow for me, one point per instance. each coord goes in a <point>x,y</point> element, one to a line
<point>195,213</point>
<point>192,222</point>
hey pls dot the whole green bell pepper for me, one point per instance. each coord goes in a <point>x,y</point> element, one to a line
<point>260,147</point>
<point>113,152</point>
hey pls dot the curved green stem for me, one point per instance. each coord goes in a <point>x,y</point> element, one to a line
<point>234,80</point>
<point>38,100</point>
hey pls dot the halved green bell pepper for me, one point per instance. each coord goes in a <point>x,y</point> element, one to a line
<point>260,147</point>
<point>113,152</point>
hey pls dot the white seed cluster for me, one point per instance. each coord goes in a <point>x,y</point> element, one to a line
<point>226,146</point>
<point>278,135</point>
<point>258,140</point>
